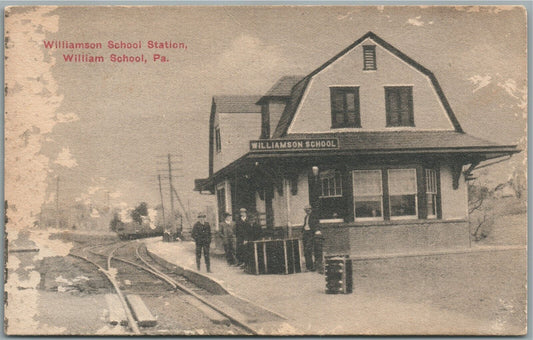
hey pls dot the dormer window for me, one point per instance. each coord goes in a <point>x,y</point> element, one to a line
<point>345,107</point>
<point>369,57</point>
<point>217,139</point>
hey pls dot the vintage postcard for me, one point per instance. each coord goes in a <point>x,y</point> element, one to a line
<point>265,170</point>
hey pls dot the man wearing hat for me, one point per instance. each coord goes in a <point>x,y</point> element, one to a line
<point>227,231</point>
<point>309,228</point>
<point>241,231</point>
<point>201,233</point>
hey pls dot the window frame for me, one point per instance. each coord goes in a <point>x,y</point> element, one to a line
<point>344,90</point>
<point>432,188</point>
<point>404,217</point>
<point>331,179</point>
<point>410,103</point>
<point>417,188</point>
<point>354,196</point>
<point>372,61</point>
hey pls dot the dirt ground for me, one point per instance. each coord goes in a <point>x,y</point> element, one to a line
<point>68,274</point>
<point>485,285</point>
<point>74,314</point>
<point>479,292</point>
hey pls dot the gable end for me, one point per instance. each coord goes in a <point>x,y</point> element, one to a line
<point>300,87</point>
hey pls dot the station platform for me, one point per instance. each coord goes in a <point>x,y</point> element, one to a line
<point>300,298</point>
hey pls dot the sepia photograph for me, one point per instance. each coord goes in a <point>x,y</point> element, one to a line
<point>265,170</point>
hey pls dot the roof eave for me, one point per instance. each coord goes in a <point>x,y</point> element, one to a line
<point>267,98</point>
<point>488,150</point>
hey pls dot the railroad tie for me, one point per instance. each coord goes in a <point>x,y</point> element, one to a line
<point>211,314</point>
<point>140,312</point>
<point>116,311</point>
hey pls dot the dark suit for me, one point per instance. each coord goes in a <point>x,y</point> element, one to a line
<point>201,233</point>
<point>309,227</point>
<point>242,229</point>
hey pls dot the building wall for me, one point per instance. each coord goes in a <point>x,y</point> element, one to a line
<point>259,204</point>
<point>279,205</point>
<point>299,201</point>
<point>275,108</point>
<point>314,113</point>
<point>410,237</point>
<point>236,130</point>
<point>227,194</point>
<point>454,201</point>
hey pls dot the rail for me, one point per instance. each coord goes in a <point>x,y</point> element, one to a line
<point>160,275</point>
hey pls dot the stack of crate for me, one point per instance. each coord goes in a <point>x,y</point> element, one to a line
<point>339,276</point>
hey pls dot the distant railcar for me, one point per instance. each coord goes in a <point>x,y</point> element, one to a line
<point>134,230</point>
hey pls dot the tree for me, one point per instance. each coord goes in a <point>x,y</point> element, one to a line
<point>477,194</point>
<point>115,222</point>
<point>139,211</point>
<point>480,216</point>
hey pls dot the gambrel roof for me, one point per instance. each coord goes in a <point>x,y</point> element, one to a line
<point>449,143</point>
<point>282,88</point>
<point>299,89</point>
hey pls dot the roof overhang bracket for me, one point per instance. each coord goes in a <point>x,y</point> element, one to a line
<point>274,175</point>
<point>457,168</point>
<point>468,172</point>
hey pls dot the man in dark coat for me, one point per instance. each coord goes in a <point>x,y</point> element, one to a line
<point>201,233</point>
<point>309,228</point>
<point>242,228</point>
<point>254,228</point>
<point>227,231</point>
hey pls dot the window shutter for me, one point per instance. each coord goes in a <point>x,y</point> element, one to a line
<point>369,57</point>
<point>399,106</point>
<point>345,107</point>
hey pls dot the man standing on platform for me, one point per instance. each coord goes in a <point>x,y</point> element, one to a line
<point>241,232</point>
<point>227,231</point>
<point>308,231</point>
<point>201,233</point>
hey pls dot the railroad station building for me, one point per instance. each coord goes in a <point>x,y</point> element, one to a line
<point>368,139</point>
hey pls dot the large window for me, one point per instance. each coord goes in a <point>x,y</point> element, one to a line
<point>392,193</point>
<point>330,194</point>
<point>368,194</point>
<point>217,139</point>
<point>431,193</point>
<point>399,106</point>
<point>330,184</point>
<point>402,193</point>
<point>345,107</point>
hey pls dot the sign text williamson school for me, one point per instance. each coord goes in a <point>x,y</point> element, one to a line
<point>294,144</point>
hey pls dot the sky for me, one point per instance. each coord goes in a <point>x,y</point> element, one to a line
<point>105,129</point>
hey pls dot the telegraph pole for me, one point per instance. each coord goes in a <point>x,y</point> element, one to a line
<point>171,188</point>
<point>182,207</point>
<point>162,206</point>
<point>107,199</point>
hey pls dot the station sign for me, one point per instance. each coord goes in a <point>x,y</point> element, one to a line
<point>293,144</point>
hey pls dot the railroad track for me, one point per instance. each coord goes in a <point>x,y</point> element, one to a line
<point>180,307</point>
